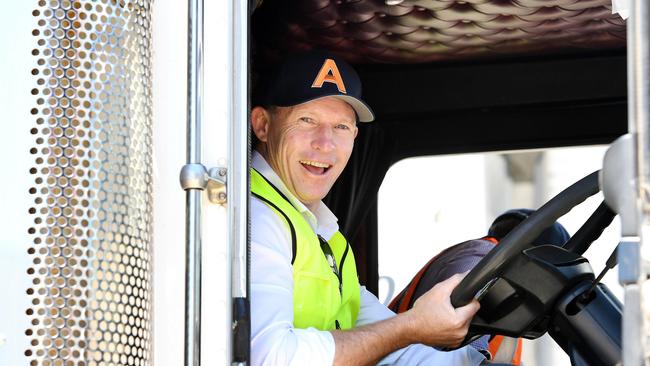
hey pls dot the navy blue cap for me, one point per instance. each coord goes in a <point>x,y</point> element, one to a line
<point>313,75</point>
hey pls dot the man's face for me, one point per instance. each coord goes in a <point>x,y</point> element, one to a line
<point>307,145</point>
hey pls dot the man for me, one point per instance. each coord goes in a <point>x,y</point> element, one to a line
<point>307,307</point>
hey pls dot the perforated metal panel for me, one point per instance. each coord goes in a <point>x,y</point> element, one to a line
<point>92,207</point>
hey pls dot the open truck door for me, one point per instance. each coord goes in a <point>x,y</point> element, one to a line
<point>104,258</point>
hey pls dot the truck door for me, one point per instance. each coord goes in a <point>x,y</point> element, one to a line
<point>96,128</point>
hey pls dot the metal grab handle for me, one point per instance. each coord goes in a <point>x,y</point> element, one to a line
<point>193,248</point>
<point>213,181</point>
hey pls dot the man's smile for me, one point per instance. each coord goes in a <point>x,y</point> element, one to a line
<point>315,167</point>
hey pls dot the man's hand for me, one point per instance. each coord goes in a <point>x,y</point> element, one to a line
<point>435,321</point>
<point>432,321</point>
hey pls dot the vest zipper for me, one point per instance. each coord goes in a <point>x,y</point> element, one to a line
<point>345,254</point>
<point>340,276</point>
<point>338,271</point>
<point>331,261</point>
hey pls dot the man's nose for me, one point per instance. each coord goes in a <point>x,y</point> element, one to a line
<point>323,138</point>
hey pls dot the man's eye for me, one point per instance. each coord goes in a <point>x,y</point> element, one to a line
<point>343,126</point>
<point>306,119</point>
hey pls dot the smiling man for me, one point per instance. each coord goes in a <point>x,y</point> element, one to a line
<point>307,307</point>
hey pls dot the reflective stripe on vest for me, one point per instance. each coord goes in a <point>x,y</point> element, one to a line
<point>320,299</point>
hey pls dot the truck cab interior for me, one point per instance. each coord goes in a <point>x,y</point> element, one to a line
<point>447,77</point>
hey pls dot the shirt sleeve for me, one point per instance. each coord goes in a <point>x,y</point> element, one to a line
<point>371,311</point>
<point>274,340</point>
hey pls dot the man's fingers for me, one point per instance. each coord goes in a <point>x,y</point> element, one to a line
<point>468,311</point>
<point>450,284</point>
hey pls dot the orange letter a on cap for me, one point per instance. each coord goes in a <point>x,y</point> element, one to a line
<point>329,73</point>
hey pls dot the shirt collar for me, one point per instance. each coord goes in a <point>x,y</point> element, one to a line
<point>322,220</point>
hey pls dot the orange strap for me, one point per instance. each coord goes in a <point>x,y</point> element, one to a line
<point>495,343</point>
<point>516,360</point>
<point>410,290</point>
<point>490,239</point>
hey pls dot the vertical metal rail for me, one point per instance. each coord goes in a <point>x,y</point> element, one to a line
<point>638,33</point>
<point>193,195</point>
<point>634,276</point>
<point>238,179</point>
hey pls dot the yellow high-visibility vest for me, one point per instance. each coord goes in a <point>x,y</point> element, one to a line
<point>321,298</point>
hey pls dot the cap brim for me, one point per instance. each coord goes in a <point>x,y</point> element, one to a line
<point>364,113</point>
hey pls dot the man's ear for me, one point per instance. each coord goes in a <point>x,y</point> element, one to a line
<point>260,119</point>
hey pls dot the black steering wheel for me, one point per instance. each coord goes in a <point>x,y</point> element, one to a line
<point>521,237</point>
<point>527,290</point>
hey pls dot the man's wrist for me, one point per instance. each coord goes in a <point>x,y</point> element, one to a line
<point>408,327</point>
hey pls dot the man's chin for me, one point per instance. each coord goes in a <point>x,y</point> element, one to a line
<point>313,198</point>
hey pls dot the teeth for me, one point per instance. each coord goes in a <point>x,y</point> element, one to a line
<point>314,163</point>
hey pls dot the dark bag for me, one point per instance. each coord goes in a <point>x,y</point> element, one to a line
<point>458,259</point>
